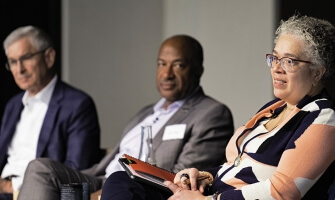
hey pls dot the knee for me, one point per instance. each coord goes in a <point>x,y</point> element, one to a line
<point>121,184</point>
<point>119,176</point>
<point>119,179</point>
<point>39,164</point>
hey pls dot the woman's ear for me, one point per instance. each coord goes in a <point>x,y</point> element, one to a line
<point>318,73</point>
<point>50,56</point>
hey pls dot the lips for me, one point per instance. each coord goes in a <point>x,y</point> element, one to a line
<point>277,82</point>
<point>23,78</point>
<point>167,85</point>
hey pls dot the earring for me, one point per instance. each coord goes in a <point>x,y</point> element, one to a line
<point>314,84</point>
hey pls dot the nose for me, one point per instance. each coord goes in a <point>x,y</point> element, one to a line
<point>20,67</point>
<point>276,66</point>
<point>168,71</point>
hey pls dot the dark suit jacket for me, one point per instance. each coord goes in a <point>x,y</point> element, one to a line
<point>70,132</point>
<point>209,128</point>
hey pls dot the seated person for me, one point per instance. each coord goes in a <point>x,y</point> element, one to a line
<point>205,125</point>
<point>286,151</point>
<point>49,118</point>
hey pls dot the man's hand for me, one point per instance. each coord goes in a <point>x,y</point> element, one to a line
<point>5,186</point>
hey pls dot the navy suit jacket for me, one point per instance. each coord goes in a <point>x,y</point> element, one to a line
<point>70,132</point>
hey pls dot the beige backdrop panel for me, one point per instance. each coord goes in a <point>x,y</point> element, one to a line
<point>110,50</point>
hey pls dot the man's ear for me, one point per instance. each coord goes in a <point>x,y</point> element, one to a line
<point>199,72</point>
<point>50,56</point>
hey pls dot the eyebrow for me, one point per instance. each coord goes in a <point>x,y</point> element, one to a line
<point>23,55</point>
<point>286,54</point>
<point>176,60</point>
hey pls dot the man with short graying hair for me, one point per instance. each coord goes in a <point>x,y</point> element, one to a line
<point>49,118</point>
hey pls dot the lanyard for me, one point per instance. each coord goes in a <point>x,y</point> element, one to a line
<point>238,159</point>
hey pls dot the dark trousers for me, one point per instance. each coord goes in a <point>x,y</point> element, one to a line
<point>6,196</point>
<point>119,186</point>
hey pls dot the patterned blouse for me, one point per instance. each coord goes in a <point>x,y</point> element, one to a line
<point>294,160</point>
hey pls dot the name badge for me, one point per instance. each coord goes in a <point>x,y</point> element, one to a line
<point>173,132</point>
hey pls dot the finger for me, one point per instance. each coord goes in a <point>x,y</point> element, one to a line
<point>184,178</point>
<point>176,179</point>
<point>193,174</point>
<point>180,177</point>
<point>202,185</point>
<point>185,181</point>
<point>185,186</point>
<point>202,188</point>
<point>173,187</point>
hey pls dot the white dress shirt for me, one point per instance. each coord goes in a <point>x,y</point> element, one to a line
<point>130,143</point>
<point>23,146</point>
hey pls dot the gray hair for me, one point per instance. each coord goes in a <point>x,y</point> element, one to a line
<point>319,37</point>
<point>38,38</point>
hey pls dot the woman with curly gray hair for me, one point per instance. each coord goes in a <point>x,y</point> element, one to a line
<point>285,151</point>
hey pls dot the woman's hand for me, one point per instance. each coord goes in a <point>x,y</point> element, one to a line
<point>183,194</point>
<point>182,176</point>
<point>191,179</point>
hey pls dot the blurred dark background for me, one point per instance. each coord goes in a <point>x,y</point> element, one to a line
<point>321,9</point>
<point>46,14</point>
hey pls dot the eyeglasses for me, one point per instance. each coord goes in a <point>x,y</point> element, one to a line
<point>23,60</point>
<point>288,64</point>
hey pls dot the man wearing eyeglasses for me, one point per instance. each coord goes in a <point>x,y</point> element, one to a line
<point>49,118</point>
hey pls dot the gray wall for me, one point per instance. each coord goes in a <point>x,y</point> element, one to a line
<point>110,49</point>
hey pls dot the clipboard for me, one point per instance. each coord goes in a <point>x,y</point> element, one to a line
<point>146,173</point>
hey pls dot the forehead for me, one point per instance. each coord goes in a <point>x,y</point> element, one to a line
<point>170,51</point>
<point>20,47</point>
<point>290,45</point>
<point>176,47</point>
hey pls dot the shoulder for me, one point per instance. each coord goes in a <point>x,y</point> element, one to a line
<point>15,99</point>
<point>321,111</point>
<point>200,99</point>
<point>70,92</point>
<point>211,103</point>
<point>207,110</point>
<point>207,103</point>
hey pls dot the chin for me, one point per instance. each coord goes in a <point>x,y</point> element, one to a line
<point>278,94</point>
<point>167,95</point>
<point>23,87</point>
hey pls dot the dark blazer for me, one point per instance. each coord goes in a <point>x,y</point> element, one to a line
<point>209,128</point>
<point>70,132</point>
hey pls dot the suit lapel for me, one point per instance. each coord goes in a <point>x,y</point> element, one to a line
<point>179,116</point>
<point>10,123</point>
<point>50,118</point>
<point>137,119</point>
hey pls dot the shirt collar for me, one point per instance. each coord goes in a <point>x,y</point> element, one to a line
<point>174,105</point>
<point>44,95</point>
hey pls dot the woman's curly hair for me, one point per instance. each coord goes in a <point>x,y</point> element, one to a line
<point>319,37</point>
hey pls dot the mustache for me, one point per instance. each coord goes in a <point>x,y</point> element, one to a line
<point>168,80</point>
